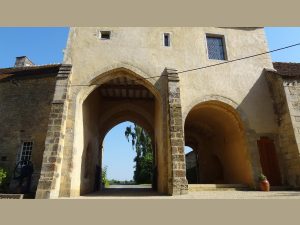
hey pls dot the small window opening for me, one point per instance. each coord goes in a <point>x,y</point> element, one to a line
<point>26,151</point>
<point>167,39</point>
<point>105,35</point>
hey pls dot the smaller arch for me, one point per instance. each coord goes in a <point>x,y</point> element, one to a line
<point>124,116</point>
<point>222,134</point>
<point>128,107</point>
<point>191,141</point>
<point>217,98</point>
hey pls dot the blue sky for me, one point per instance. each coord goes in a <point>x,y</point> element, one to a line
<point>45,45</point>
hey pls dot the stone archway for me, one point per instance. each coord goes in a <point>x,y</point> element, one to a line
<point>217,131</point>
<point>119,96</point>
<point>106,99</point>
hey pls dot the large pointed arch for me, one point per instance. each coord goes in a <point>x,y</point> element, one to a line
<point>102,104</point>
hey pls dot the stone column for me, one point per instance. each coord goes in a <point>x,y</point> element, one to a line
<point>48,186</point>
<point>179,183</point>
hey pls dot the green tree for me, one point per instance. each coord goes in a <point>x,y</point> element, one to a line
<point>105,181</point>
<point>141,143</point>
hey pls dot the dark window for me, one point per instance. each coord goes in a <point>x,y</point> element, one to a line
<point>105,35</point>
<point>166,39</point>
<point>26,151</point>
<point>3,158</point>
<point>215,46</point>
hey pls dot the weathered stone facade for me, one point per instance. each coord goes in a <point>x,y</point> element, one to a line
<point>222,112</point>
<point>179,182</point>
<point>26,94</point>
<point>285,89</point>
<point>52,157</point>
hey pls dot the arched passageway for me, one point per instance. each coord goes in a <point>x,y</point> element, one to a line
<point>191,162</point>
<point>121,98</point>
<point>215,132</point>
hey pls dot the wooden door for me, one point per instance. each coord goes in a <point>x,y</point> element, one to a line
<point>269,161</point>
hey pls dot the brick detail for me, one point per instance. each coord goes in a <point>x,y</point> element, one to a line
<point>179,181</point>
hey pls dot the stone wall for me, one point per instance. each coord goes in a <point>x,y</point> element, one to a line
<point>25,98</point>
<point>52,157</point>
<point>178,170</point>
<point>285,88</point>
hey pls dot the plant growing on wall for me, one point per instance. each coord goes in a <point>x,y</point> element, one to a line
<point>141,143</point>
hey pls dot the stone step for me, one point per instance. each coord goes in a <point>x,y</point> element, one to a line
<point>217,187</point>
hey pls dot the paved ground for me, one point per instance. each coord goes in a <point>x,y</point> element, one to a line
<point>144,192</point>
<point>131,186</point>
<point>199,195</point>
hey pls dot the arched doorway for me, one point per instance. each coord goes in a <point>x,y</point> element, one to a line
<point>127,162</point>
<point>215,132</point>
<point>119,96</point>
<point>191,164</point>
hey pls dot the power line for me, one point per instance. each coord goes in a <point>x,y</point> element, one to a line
<point>234,60</point>
<point>203,67</point>
<point>218,64</point>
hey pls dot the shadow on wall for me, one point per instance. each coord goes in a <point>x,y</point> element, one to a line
<point>258,107</point>
<point>225,135</point>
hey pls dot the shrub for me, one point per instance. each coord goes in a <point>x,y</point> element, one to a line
<point>3,176</point>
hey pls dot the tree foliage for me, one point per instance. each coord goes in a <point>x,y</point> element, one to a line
<point>105,181</point>
<point>141,143</point>
<point>3,176</point>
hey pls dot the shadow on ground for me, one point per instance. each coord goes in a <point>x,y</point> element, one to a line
<point>125,191</point>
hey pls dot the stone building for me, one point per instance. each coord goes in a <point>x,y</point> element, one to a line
<point>26,95</point>
<point>241,118</point>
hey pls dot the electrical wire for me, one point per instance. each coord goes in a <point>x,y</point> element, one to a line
<point>199,68</point>
<point>234,60</point>
<point>222,63</point>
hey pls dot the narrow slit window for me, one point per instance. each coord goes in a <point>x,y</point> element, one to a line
<point>167,40</point>
<point>216,47</point>
<point>105,35</point>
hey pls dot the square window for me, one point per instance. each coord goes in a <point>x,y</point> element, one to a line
<point>215,47</point>
<point>105,35</point>
<point>167,40</point>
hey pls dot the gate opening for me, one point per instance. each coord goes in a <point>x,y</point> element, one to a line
<point>119,99</point>
<point>215,133</point>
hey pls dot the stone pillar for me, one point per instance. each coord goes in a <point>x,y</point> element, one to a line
<point>291,134</point>
<point>48,186</point>
<point>285,91</point>
<point>179,183</point>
